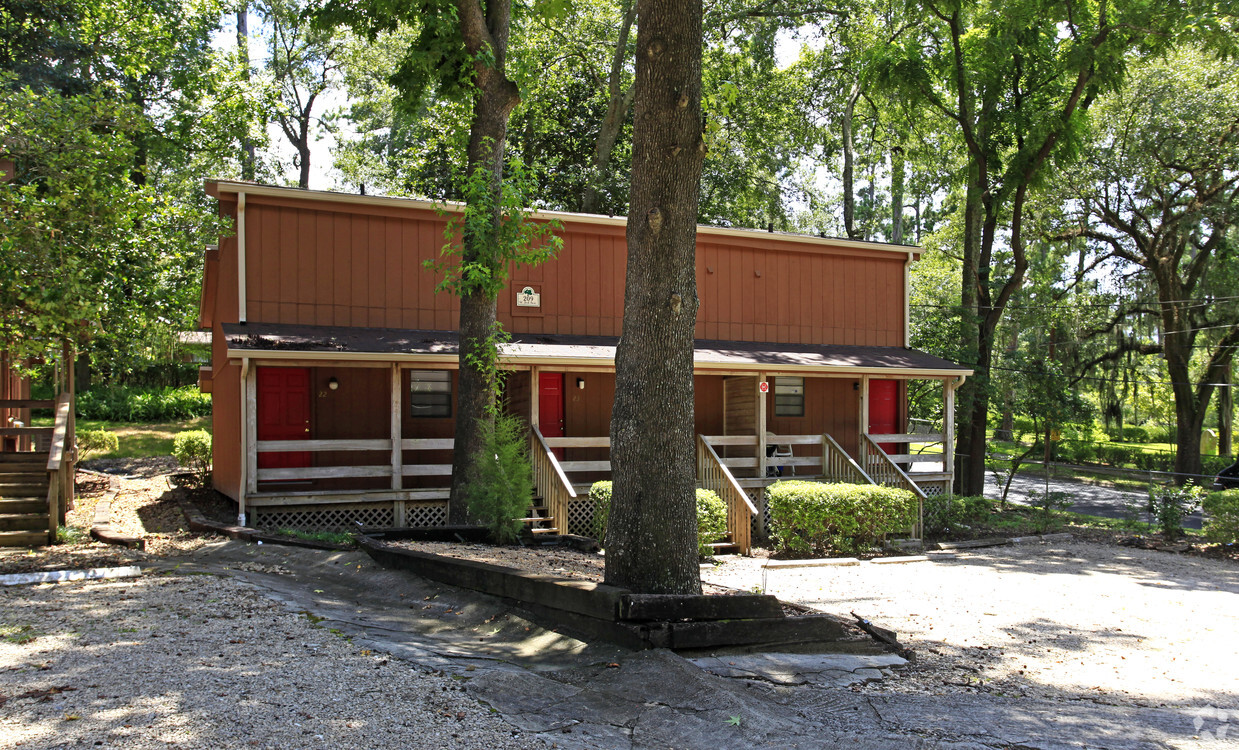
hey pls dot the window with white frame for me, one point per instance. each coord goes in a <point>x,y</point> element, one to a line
<point>430,393</point>
<point>788,397</point>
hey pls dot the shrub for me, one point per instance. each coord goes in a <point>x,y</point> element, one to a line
<point>1222,516</point>
<point>121,404</point>
<point>600,497</point>
<point>503,490</point>
<point>192,449</point>
<point>811,518</point>
<point>711,521</point>
<point>97,441</point>
<point>711,516</point>
<point>946,513</point>
<point>1169,505</point>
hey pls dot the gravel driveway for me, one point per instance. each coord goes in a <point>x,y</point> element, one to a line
<point>1067,621</point>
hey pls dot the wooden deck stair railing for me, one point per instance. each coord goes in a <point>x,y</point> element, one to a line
<point>838,466</point>
<point>713,474</point>
<point>882,468</point>
<point>36,487</point>
<point>908,457</point>
<point>551,485</point>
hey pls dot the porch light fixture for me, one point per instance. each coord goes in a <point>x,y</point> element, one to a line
<point>580,383</point>
<point>333,384</point>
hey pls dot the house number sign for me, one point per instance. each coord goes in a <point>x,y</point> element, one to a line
<point>527,297</point>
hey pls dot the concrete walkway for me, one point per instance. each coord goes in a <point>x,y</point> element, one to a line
<point>1106,502</point>
<point>575,695</point>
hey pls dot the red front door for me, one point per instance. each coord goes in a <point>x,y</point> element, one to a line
<point>551,406</point>
<point>283,413</point>
<point>884,410</point>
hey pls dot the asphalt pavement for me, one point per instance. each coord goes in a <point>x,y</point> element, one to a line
<point>1106,502</point>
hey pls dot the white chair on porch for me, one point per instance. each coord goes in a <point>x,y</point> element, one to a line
<point>775,451</point>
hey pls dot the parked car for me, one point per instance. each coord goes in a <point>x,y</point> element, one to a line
<point>1228,478</point>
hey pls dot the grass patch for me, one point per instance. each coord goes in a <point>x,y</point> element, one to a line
<point>323,537</point>
<point>137,440</point>
<point>72,535</point>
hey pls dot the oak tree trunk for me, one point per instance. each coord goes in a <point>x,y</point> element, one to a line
<point>248,156</point>
<point>482,27</point>
<point>652,532</point>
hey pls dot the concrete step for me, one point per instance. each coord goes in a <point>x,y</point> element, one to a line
<point>23,490</point>
<point>23,538</point>
<point>22,505</point>
<point>23,522</point>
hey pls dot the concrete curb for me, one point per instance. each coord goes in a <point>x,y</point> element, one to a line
<point>101,524</point>
<point>1004,541</point>
<point>55,576</point>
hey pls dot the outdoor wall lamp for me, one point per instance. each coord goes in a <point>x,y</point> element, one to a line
<point>333,384</point>
<point>580,383</point>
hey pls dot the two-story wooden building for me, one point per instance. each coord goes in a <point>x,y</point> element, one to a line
<point>334,361</point>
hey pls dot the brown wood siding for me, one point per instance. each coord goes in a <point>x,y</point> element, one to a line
<point>358,410</point>
<point>832,406</point>
<point>708,404</point>
<point>318,263</point>
<point>225,423</point>
<point>426,427</point>
<point>739,406</point>
<point>517,395</point>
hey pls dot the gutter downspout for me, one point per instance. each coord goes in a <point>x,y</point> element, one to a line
<point>241,312</point>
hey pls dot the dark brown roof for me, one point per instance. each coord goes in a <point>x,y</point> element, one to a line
<point>338,342</point>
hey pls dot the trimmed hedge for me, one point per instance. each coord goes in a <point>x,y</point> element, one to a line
<point>810,518</point>
<point>143,404</point>
<point>192,449</point>
<point>1222,516</point>
<point>711,516</point>
<point>97,442</point>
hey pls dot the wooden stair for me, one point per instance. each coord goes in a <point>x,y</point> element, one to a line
<point>724,546</point>
<point>23,500</point>
<point>539,520</point>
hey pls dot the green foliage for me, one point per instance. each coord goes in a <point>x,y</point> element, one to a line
<point>944,514</point>
<point>503,490</point>
<point>339,538</point>
<point>1222,516</point>
<point>120,404</point>
<point>711,521</point>
<point>1048,505</point>
<point>1169,505</point>
<point>192,449</point>
<point>71,535</point>
<point>711,516</point>
<point>600,497</point>
<point>96,441</point>
<point>810,518</point>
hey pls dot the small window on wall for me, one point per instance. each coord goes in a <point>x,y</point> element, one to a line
<point>430,393</point>
<point>788,397</point>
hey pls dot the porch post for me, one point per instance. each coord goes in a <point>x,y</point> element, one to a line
<point>948,430</point>
<point>864,417</point>
<point>534,393</point>
<point>761,426</point>
<point>250,442</point>
<point>397,414</point>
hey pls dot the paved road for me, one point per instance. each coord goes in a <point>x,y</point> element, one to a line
<point>1095,501</point>
<point>576,696</point>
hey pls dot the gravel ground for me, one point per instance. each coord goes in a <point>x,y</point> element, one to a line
<point>202,661</point>
<point>1067,621</point>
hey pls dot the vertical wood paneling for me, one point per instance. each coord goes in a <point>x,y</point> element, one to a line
<point>286,270</point>
<point>324,269</point>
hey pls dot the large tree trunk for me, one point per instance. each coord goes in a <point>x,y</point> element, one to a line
<point>652,533</point>
<point>971,436</point>
<point>897,176</point>
<point>849,167</point>
<point>492,106</point>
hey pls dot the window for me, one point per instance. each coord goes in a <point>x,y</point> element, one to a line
<point>430,393</point>
<point>788,397</point>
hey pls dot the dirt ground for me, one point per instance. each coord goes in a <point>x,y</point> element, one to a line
<point>1080,620</point>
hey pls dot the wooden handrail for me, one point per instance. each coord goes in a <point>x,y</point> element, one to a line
<point>314,446</point>
<point>835,458</point>
<point>554,461</point>
<point>578,442</point>
<point>27,403</point>
<point>57,452</point>
<point>909,438</point>
<point>550,480</point>
<point>730,439</point>
<point>715,476</point>
<point>888,472</point>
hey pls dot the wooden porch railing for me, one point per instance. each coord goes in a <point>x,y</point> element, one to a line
<point>60,467</point>
<point>550,480</point>
<point>882,468</point>
<point>15,408</point>
<point>385,469</point>
<point>838,466</point>
<point>713,474</point>
<point>570,467</point>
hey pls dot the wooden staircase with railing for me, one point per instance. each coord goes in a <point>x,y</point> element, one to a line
<point>539,519</point>
<point>24,517</point>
